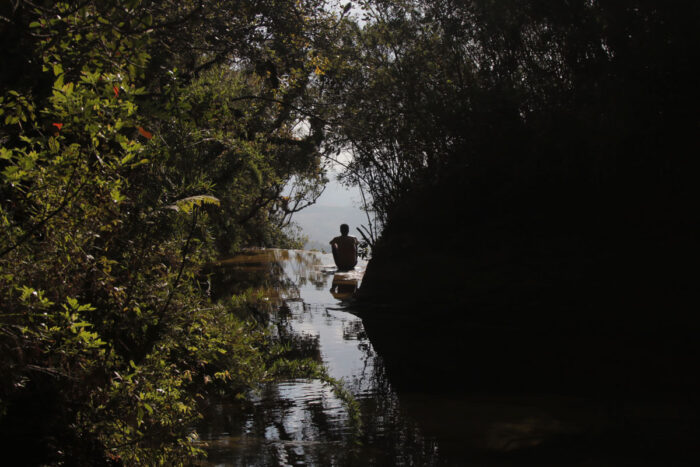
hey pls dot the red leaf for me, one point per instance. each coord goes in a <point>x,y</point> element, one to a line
<point>116,91</point>
<point>58,125</point>
<point>145,134</point>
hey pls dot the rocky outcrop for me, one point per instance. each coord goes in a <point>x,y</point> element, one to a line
<point>592,261</point>
<point>588,302</point>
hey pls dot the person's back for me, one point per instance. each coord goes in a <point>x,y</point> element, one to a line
<point>344,249</point>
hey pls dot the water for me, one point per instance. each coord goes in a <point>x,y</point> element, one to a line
<point>429,421</point>
<point>303,422</point>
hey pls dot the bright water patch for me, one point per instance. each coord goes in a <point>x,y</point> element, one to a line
<point>302,422</point>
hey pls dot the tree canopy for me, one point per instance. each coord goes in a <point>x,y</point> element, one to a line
<point>140,140</point>
<point>549,140</point>
<point>542,144</point>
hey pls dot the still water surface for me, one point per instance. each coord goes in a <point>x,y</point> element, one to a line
<point>302,422</point>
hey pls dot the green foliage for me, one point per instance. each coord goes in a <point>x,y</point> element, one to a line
<point>153,404</point>
<point>146,138</point>
<point>499,100</point>
<point>544,146</point>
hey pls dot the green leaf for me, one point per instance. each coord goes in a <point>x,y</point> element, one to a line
<point>58,84</point>
<point>53,145</point>
<point>186,204</point>
<point>117,197</point>
<point>127,158</point>
<point>72,302</point>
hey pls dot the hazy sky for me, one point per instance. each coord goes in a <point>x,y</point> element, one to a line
<point>337,205</point>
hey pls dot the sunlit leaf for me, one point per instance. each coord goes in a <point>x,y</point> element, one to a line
<point>186,204</point>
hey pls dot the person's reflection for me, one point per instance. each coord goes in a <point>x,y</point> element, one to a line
<point>343,287</point>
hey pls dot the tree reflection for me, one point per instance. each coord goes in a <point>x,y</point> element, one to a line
<point>303,421</point>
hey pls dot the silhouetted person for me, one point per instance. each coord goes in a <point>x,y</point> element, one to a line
<point>344,249</point>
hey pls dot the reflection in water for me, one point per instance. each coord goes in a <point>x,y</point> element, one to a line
<point>345,284</point>
<point>302,422</point>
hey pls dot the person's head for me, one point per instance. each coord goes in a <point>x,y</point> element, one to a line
<point>344,229</point>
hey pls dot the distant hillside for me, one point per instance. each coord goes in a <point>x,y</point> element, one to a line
<point>322,223</point>
<point>320,246</point>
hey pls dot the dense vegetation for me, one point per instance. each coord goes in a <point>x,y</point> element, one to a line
<point>547,149</point>
<point>541,154</point>
<point>140,140</point>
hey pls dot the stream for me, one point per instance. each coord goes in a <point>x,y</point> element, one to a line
<point>302,422</point>
<point>427,422</point>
